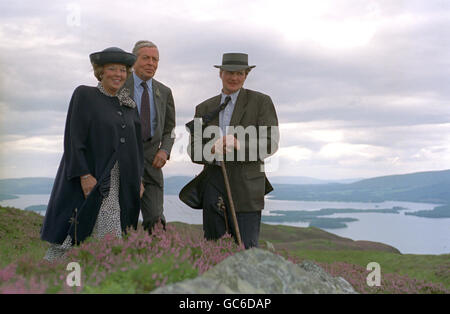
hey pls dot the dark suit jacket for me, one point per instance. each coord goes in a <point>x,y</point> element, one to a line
<point>247,177</point>
<point>164,135</point>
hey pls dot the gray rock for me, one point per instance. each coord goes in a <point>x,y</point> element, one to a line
<point>269,246</point>
<point>260,271</point>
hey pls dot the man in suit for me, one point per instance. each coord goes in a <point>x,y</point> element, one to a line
<point>244,133</point>
<point>157,112</point>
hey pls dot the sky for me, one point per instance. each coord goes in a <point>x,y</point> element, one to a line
<point>360,87</point>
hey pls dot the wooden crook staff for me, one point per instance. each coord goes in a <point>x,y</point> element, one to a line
<point>233,212</point>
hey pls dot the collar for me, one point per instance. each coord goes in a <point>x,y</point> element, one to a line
<point>138,81</point>
<point>123,96</point>
<point>233,96</point>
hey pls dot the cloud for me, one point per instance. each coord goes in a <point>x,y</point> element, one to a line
<point>360,87</point>
<point>44,144</point>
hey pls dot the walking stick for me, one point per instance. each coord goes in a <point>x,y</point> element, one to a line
<point>233,212</point>
<point>221,205</point>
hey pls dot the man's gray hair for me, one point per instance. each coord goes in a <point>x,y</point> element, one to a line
<point>143,43</point>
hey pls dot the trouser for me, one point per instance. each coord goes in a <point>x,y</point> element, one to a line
<point>152,206</point>
<point>214,225</point>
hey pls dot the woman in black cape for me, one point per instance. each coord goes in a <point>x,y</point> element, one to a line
<point>98,184</point>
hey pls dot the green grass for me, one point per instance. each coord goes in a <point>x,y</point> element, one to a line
<point>144,278</point>
<point>294,238</point>
<point>137,263</point>
<point>19,235</point>
<point>433,268</point>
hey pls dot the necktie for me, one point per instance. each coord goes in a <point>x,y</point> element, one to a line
<point>225,103</point>
<point>222,107</point>
<point>145,113</point>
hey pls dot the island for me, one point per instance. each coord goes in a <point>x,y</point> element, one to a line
<point>315,219</point>
<point>437,212</point>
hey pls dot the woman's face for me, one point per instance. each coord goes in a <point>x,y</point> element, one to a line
<point>114,76</point>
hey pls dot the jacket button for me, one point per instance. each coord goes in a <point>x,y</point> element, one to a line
<point>124,126</point>
<point>119,113</point>
<point>122,140</point>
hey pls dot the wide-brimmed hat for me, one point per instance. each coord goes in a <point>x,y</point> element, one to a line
<point>113,55</point>
<point>235,62</point>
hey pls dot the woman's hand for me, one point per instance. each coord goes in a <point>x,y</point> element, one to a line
<point>142,190</point>
<point>87,184</point>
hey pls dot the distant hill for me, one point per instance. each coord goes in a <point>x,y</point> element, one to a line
<point>173,185</point>
<point>10,187</point>
<point>7,197</point>
<point>26,186</point>
<point>307,180</point>
<point>437,212</point>
<point>432,187</point>
<point>37,208</point>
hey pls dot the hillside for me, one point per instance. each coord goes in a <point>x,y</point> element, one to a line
<point>289,238</point>
<point>139,263</point>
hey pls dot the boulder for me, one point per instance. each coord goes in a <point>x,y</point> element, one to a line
<point>260,271</point>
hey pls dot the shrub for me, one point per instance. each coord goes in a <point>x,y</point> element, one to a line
<point>137,263</point>
<point>390,283</point>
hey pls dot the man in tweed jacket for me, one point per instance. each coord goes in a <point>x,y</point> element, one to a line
<point>247,110</point>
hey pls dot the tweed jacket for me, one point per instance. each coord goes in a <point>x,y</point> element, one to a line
<point>164,135</point>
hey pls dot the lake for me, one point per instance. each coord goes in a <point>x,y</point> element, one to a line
<point>409,234</point>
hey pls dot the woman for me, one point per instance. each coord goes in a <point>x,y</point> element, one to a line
<point>98,185</point>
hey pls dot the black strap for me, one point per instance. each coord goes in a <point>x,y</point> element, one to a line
<point>207,118</point>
